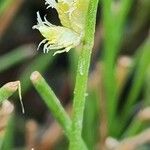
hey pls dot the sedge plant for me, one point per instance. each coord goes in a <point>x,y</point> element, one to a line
<point>78,26</point>
<point>78,19</point>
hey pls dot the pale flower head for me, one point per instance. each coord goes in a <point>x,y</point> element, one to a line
<point>72,14</point>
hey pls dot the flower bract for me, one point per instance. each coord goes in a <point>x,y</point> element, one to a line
<point>72,14</point>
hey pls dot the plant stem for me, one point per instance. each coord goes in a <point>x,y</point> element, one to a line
<point>51,101</point>
<point>53,104</point>
<point>16,56</point>
<point>141,64</point>
<point>82,76</point>
<point>139,77</point>
<point>113,24</point>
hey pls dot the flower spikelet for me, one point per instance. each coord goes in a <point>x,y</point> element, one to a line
<point>72,14</point>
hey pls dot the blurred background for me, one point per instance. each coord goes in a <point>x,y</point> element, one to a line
<point>19,58</point>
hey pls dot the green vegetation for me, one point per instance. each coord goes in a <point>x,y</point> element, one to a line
<point>100,104</point>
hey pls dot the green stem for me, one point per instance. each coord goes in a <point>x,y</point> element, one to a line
<point>51,101</point>
<point>15,57</point>
<point>109,60</point>
<point>53,104</point>
<point>141,64</point>
<point>113,26</point>
<point>82,76</point>
<point>139,77</point>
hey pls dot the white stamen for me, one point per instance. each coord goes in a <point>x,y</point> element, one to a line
<point>42,42</point>
<point>45,49</point>
<point>39,19</point>
<point>67,49</point>
<point>46,22</point>
<point>51,3</point>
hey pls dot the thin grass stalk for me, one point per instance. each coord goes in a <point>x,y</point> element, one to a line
<point>139,77</point>
<point>113,26</point>
<point>54,105</point>
<point>51,101</point>
<point>16,56</point>
<point>82,76</point>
